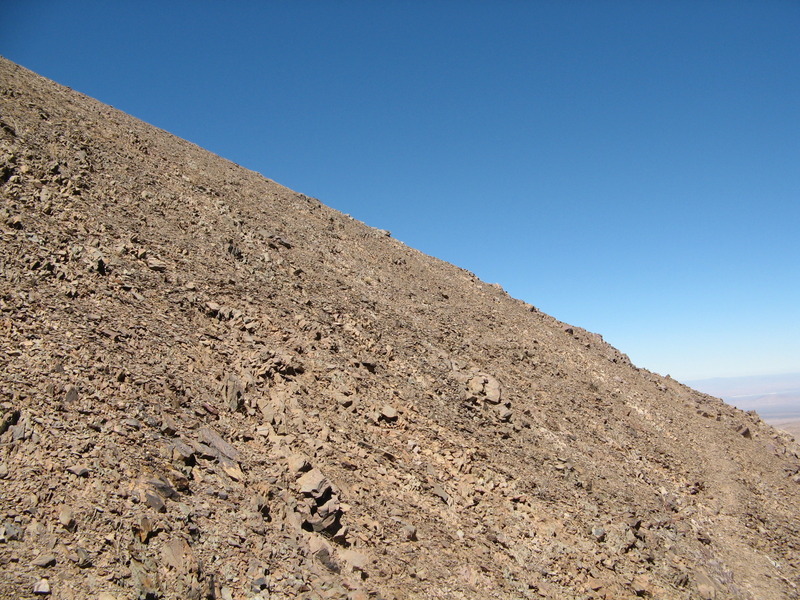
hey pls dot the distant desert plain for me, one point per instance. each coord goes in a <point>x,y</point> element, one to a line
<point>776,398</point>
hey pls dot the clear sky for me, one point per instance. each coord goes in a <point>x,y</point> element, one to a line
<point>628,167</point>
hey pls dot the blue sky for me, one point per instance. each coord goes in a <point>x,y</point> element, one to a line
<point>628,167</point>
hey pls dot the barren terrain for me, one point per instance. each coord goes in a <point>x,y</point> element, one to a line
<point>215,387</point>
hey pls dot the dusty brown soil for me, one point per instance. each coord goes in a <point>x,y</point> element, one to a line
<point>215,387</point>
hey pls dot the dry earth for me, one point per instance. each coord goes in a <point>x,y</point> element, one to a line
<point>215,387</point>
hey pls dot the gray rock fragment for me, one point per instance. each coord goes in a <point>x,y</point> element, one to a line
<point>70,394</point>
<point>181,452</point>
<point>155,502</point>
<point>81,557</point>
<point>79,470</point>
<point>156,265</point>
<point>44,560</point>
<point>213,439</point>
<point>599,533</point>
<point>409,533</point>
<point>233,393</point>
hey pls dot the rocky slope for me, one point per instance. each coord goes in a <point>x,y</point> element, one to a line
<point>215,387</point>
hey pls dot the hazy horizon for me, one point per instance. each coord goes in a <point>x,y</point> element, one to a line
<point>775,397</point>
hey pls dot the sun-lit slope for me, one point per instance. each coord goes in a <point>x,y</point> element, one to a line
<point>216,387</point>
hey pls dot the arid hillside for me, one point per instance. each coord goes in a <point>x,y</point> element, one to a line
<point>215,387</point>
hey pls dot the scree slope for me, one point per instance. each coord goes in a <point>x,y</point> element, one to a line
<point>212,386</point>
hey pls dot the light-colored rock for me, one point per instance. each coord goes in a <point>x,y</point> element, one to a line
<point>492,390</point>
<point>298,463</point>
<point>313,483</point>
<point>156,264</point>
<point>66,518</point>
<point>389,413</point>
<point>356,560</point>
<point>44,560</point>
<point>42,587</point>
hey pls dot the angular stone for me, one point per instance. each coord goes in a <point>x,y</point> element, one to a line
<point>9,418</point>
<point>594,584</point>
<point>181,452</point>
<point>503,413</point>
<point>225,593</point>
<point>133,424</point>
<point>44,560</point>
<point>70,394</point>
<point>475,385</point>
<point>231,468</point>
<point>79,470</point>
<point>439,491</point>
<point>259,584</point>
<point>388,413</point>
<point>409,533</point>
<point>317,543</point>
<point>329,523</point>
<point>265,431</point>
<point>178,554</point>
<point>492,390</point>
<point>156,264</point>
<point>298,463</point>
<point>204,451</point>
<point>81,557</point>
<point>233,393</point>
<point>331,507</point>
<point>161,486</point>
<point>154,501</point>
<point>66,518</point>
<point>313,483</point>
<point>213,439</point>
<point>143,527</point>
<point>168,426</point>
<point>599,533</point>
<point>356,560</point>
<point>42,587</point>
<point>10,532</point>
<point>343,400</point>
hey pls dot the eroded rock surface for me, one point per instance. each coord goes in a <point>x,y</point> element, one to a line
<point>214,387</point>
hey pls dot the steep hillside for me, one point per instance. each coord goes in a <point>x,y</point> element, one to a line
<point>215,387</point>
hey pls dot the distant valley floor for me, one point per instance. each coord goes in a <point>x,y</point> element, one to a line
<point>776,398</point>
